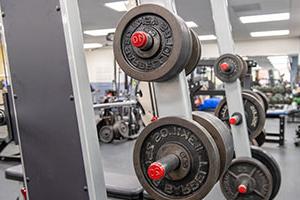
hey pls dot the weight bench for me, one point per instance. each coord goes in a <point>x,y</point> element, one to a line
<point>280,137</point>
<point>117,185</point>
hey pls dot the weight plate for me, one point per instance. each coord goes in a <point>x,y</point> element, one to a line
<point>269,161</point>
<point>121,128</point>
<point>221,135</point>
<point>228,68</point>
<point>255,95</point>
<point>254,113</point>
<point>199,159</point>
<point>261,138</point>
<point>196,53</point>
<point>246,178</point>
<point>2,117</point>
<point>151,43</point>
<point>264,98</point>
<point>106,134</point>
<point>244,68</point>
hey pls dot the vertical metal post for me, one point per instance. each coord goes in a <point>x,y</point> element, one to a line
<point>83,102</point>
<point>53,105</point>
<point>172,97</point>
<point>233,90</point>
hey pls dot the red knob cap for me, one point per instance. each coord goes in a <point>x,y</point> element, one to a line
<point>24,193</point>
<point>225,67</point>
<point>242,189</point>
<point>139,39</point>
<point>156,171</point>
<point>233,120</point>
<point>154,118</point>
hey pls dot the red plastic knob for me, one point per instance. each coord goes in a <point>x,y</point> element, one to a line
<point>242,189</point>
<point>156,171</point>
<point>139,39</point>
<point>225,67</point>
<point>233,120</point>
<point>24,193</point>
<point>154,118</point>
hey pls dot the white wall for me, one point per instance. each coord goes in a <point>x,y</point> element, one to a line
<point>100,61</point>
<point>100,64</point>
<point>258,48</point>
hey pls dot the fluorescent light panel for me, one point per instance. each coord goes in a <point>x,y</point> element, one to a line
<point>191,24</point>
<point>100,32</point>
<point>278,59</point>
<point>270,33</point>
<point>265,18</point>
<point>92,45</point>
<point>120,6</point>
<point>207,37</point>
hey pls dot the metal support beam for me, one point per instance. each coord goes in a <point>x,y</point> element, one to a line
<point>83,100</point>
<point>233,90</point>
<point>53,105</point>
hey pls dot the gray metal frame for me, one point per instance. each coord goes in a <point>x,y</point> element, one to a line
<point>53,105</point>
<point>233,90</point>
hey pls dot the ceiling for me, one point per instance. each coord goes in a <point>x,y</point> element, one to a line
<point>95,15</point>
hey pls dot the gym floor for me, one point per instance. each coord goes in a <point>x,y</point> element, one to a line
<point>288,158</point>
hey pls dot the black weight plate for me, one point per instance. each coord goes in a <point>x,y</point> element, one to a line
<point>254,94</point>
<point>106,134</point>
<point>203,158</point>
<point>264,98</point>
<point>244,68</point>
<point>256,174</point>
<point>2,117</point>
<point>196,53</point>
<point>234,73</point>
<point>171,49</point>
<point>269,161</point>
<point>261,139</point>
<point>220,133</point>
<point>121,128</point>
<point>254,113</point>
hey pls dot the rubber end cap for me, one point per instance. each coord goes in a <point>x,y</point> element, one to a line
<point>139,39</point>
<point>225,67</point>
<point>156,171</point>
<point>242,189</point>
<point>233,121</point>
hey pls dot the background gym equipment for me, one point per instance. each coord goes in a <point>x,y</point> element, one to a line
<point>119,120</point>
<point>9,150</point>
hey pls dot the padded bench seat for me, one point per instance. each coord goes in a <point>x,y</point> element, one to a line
<point>117,185</point>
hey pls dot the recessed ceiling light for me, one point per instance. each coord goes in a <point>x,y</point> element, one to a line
<point>207,37</point>
<point>92,45</point>
<point>269,33</point>
<point>265,18</point>
<point>191,24</point>
<point>100,32</point>
<point>120,6</point>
